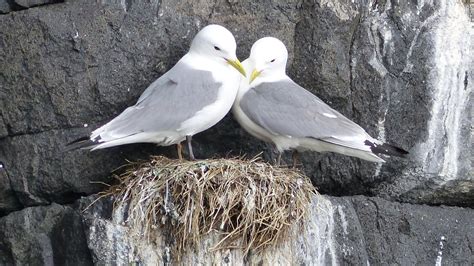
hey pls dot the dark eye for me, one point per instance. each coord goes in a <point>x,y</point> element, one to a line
<point>217,48</point>
<point>272,61</point>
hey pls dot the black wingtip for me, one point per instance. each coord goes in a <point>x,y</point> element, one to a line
<point>80,143</point>
<point>386,149</point>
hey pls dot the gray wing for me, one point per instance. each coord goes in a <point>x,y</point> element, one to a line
<point>285,108</point>
<point>165,104</point>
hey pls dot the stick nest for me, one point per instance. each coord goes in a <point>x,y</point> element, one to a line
<point>249,203</point>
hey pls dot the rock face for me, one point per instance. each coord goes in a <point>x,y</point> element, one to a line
<point>7,6</point>
<point>348,230</point>
<point>389,68</point>
<point>46,235</point>
<point>403,71</point>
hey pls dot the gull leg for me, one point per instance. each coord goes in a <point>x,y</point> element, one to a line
<point>278,161</point>
<point>179,149</point>
<point>276,152</point>
<point>190,148</point>
<point>296,157</point>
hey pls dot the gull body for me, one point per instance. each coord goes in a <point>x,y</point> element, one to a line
<point>273,108</point>
<point>191,97</point>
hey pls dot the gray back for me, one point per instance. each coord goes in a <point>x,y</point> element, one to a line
<point>285,108</point>
<point>166,103</point>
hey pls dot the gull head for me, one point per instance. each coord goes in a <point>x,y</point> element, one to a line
<point>217,43</point>
<point>268,58</point>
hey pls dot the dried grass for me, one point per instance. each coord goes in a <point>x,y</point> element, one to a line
<point>250,203</point>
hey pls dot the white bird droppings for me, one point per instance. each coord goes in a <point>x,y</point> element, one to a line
<point>451,62</point>
<point>439,258</point>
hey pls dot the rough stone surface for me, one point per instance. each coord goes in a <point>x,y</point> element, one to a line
<point>391,76</point>
<point>69,67</point>
<point>70,72</point>
<point>348,231</point>
<point>41,172</point>
<point>7,6</point>
<point>32,3</point>
<point>8,200</point>
<point>4,6</point>
<point>401,69</point>
<point>339,230</point>
<point>46,235</point>
<point>408,234</point>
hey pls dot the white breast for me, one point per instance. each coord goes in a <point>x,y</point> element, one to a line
<point>213,113</point>
<point>251,127</point>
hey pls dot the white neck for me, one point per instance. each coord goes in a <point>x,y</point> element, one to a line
<point>199,61</point>
<point>273,77</point>
<point>245,86</point>
<point>220,69</point>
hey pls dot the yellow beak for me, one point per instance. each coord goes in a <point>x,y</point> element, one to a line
<point>254,75</point>
<point>237,65</point>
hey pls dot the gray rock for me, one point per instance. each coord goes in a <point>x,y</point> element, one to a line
<point>81,63</point>
<point>76,72</point>
<point>8,199</point>
<point>402,70</point>
<point>32,3</point>
<point>46,235</point>
<point>408,234</point>
<point>349,231</point>
<point>7,6</point>
<point>52,175</point>
<point>4,7</point>
<point>394,74</point>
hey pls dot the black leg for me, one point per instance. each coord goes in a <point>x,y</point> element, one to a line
<point>278,154</point>
<point>278,161</point>
<point>296,157</point>
<point>190,148</point>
